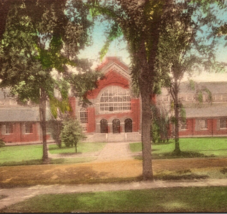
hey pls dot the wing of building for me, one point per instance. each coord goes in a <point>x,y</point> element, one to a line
<point>204,118</point>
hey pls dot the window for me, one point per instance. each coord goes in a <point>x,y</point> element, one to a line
<point>184,125</point>
<point>9,128</point>
<point>28,128</point>
<point>115,99</point>
<point>223,124</point>
<point>203,124</point>
<point>83,115</point>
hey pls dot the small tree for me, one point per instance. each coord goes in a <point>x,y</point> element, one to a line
<point>71,133</point>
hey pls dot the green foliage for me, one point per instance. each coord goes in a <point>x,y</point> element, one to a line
<point>159,125</point>
<point>71,133</point>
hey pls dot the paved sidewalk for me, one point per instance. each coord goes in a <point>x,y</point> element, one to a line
<point>15,195</point>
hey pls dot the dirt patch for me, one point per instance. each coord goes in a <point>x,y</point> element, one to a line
<point>99,172</point>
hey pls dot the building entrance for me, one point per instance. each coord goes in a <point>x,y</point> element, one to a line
<point>128,125</point>
<point>116,126</point>
<point>103,126</point>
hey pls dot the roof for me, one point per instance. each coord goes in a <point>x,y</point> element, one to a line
<point>113,60</point>
<point>207,111</point>
<point>213,87</point>
<point>20,114</point>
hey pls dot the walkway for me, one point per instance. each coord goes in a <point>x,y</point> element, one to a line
<point>115,151</point>
<point>111,151</point>
<point>15,195</point>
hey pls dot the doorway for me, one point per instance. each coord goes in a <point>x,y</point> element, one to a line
<point>116,126</point>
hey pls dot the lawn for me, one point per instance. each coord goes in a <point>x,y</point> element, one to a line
<point>81,148</point>
<point>196,147</point>
<point>32,154</point>
<point>181,199</point>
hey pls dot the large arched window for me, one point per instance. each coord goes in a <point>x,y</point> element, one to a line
<point>115,98</point>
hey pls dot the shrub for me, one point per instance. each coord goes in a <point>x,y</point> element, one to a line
<point>71,133</point>
<point>2,143</point>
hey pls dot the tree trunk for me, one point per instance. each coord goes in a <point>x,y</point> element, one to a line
<point>42,112</point>
<point>146,138</point>
<point>176,112</point>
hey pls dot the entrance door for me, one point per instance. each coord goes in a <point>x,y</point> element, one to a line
<point>128,125</point>
<point>116,126</point>
<point>103,126</point>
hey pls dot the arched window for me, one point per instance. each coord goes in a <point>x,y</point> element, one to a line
<point>103,126</point>
<point>83,115</point>
<point>116,126</point>
<point>115,98</point>
<point>128,125</point>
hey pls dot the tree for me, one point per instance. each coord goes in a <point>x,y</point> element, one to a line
<point>180,51</point>
<point>38,38</point>
<point>139,22</point>
<point>71,133</point>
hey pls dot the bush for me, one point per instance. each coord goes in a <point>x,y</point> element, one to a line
<point>2,143</point>
<point>71,133</point>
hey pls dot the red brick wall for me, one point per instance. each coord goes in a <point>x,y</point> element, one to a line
<point>91,119</point>
<point>72,102</point>
<point>19,136</point>
<point>212,129</point>
<point>135,104</point>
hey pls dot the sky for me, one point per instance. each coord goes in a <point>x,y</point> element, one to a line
<point>118,48</point>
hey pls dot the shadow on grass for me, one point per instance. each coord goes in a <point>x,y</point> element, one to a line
<point>51,161</point>
<point>170,155</point>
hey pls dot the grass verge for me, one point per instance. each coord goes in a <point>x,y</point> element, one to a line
<point>190,147</point>
<point>180,199</point>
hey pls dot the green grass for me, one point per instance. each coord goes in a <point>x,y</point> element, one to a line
<point>187,199</point>
<point>81,148</point>
<point>192,147</point>
<point>32,154</point>
<point>20,153</point>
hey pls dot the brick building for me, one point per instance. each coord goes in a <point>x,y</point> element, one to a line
<point>18,124</point>
<point>115,113</point>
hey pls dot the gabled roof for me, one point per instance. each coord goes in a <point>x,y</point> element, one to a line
<point>114,63</point>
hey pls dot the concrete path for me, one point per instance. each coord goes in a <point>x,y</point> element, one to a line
<point>15,195</point>
<point>115,151</point>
